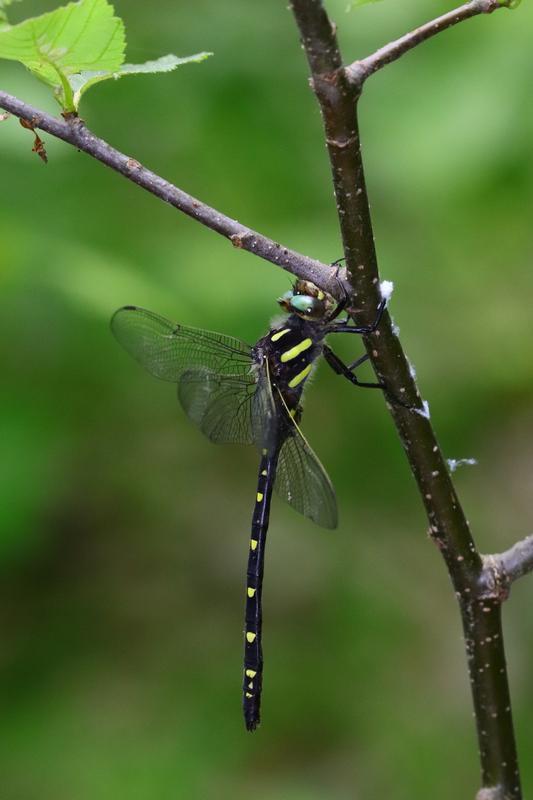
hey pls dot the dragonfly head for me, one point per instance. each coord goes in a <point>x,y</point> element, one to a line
<point>307,300</point>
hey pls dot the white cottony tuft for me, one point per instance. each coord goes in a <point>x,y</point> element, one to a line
<point>453,463</point>
<point>424,411</point>
<point>386,288</point>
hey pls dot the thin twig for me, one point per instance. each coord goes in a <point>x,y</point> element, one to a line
<point>518,560</point>
<point>500,570</point>
<point>481,615</point>
<point>359,71</point>
<point>74,131</point>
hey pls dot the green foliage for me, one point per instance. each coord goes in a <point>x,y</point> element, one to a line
<point>76,37</point>
<point>83,80</point>
<point>357,3</point>
<point>124,533</point>
<point>75,47</point>
<point>3,15</point>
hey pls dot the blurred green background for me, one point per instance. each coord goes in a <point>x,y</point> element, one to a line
<point>123,533</point>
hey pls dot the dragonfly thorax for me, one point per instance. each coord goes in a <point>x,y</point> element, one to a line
<point>291,349</point>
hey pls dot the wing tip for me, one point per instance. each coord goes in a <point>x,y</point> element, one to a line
<point>330,523</point>
<point>119,311</point>
<point>125,308</point>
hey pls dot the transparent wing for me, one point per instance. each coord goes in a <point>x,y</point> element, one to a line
<point>302,481</point>
<point>167,349</point>
<point>265,418</point>
<point>220,405</point>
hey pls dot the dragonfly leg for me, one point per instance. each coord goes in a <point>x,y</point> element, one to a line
<point>338,366</point>
<point>341,305</point>
<point>358,362</point>
<point>346,370</point>
<point>362,330</point>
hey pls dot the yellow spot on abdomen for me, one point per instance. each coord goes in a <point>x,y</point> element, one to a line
<point>251,673</point>
<point>295,351</point>
<point>264,472</point>
<point>259,497</point>
<point>249,695</point>
<point>250,637</point>
<point>279,334</point>
<point>251,685</point>
<point>300,377</point>
<point>253,543</point>
<point>251,591</point>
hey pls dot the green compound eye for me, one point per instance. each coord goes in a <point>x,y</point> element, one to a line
<point>302,302</point>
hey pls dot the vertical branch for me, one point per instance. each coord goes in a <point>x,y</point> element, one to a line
<point>480,611</point>
<point>492,703</point>
<point>337,99</point>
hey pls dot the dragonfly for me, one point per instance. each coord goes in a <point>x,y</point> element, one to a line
<point>238,393</point>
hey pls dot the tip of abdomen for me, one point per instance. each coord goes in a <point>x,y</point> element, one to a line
<point>251,708</point>
<point>252,718</point>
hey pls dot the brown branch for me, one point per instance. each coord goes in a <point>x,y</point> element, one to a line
<point>74,131</point>
<point>481,615</point>
<point>359,71</point>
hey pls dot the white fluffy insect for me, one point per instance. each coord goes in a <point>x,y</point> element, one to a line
<point>386,288</point>
<point>454,463</point>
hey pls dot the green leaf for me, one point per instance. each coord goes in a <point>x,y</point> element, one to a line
<point>74,38</point>
<point>82,81</point>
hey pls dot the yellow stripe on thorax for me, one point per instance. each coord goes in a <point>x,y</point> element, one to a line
<point>300,377</point>
<point>279,334</point>
<point>295,351</point>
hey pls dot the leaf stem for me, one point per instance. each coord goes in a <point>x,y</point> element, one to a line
<point>68,104</point>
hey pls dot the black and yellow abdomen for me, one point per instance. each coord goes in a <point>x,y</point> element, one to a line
<point>253,653</point>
